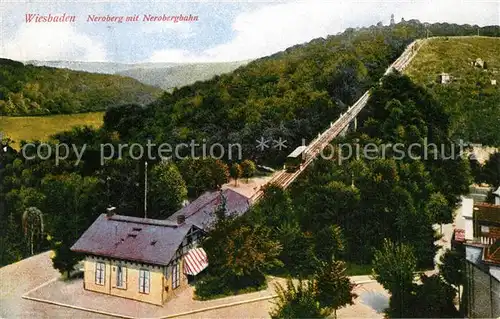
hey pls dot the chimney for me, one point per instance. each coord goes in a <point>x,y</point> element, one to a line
<point>181,219</point>
<point>110,211</point>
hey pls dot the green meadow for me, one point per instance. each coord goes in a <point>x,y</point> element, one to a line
<point>43,127</point>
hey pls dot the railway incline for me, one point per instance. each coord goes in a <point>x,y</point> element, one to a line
<point>315,147</point>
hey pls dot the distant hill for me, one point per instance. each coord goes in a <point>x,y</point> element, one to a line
<point>162,75</point>
<point>180,74</point>
<point>97,67</point>
<point>470,97</point>
<point>36,90</point>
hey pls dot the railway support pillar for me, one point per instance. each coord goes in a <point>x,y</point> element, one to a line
<point>344,131</point>
<point>355,123</point>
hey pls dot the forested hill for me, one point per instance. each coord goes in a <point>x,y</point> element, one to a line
<point>292,94</point>
<point>472,97</point>
<point>33,90</point>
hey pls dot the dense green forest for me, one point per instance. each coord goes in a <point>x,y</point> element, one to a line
<point>33,90</point>
<point>293,94</point>
<point>359,211</point>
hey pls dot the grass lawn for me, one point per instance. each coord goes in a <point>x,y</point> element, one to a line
<point>471,98</point>
<point>42,127</point>
<point>358,270</point>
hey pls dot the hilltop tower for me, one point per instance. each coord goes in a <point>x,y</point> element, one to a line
<point>392,19</point>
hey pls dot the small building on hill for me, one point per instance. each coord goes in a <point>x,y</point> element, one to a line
<point>444,78</point>
<point>480,63</point>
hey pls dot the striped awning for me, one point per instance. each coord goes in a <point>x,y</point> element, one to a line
<point>195,261</point>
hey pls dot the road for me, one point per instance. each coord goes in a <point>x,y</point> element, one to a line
<point>19,278</point>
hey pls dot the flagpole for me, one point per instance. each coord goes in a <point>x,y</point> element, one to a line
<point>145,189</point>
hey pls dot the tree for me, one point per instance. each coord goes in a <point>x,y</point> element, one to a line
<point>239,252</point>
<point>432,299</point>
<point>274,208</point>
<point>452,269</point>
<point>297,302</point>
<point>73,203</point>
<point>491,170</point>
<point>333,287</point>
<point>476,170</point>
<point>325,204</point>
<point>249,250</point>
<point>330,243</point>
<point>220,173</point>
<point>32,225</point>
<point>64,259</point>
<point>167,190</point>
<point>125,119</point>
<point>248,168</point>
<point>394,267</point>
<point>297,254</point>
<point>439,209</point>
<point>236,173</point>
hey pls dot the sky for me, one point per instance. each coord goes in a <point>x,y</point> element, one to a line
<point>225,31</point>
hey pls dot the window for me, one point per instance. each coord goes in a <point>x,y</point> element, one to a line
<point>100,271</point>
<point>121,276</point>
<point>144,281</point>
<point>192,237</point>
<point>176,273</point>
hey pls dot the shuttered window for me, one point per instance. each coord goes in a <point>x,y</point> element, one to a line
<point>144,281</point>
<point>100,271</point>
<point>121,276</point>
<point>176,274</point>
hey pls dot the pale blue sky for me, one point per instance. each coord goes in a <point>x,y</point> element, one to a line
<point>226,31</point>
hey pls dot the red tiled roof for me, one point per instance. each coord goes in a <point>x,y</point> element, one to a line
<point>131,238</point>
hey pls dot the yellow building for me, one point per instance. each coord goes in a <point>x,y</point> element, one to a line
<point>151,260</point>
<point>138,258</point>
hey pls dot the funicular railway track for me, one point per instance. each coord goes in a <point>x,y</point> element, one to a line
<point>284,178</point>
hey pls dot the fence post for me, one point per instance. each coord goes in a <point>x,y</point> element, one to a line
<point>491,295</point>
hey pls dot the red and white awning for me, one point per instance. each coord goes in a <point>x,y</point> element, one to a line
<point>195,261</point>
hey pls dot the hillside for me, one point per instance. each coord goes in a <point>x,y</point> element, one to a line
<point>292,94</point>
<point>179,75</point>
<point>158,74</point>
<point>93,67</point>
<point>470,97</point>
<point>33,90</point>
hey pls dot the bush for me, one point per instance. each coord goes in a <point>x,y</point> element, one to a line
<point>211,286</point>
